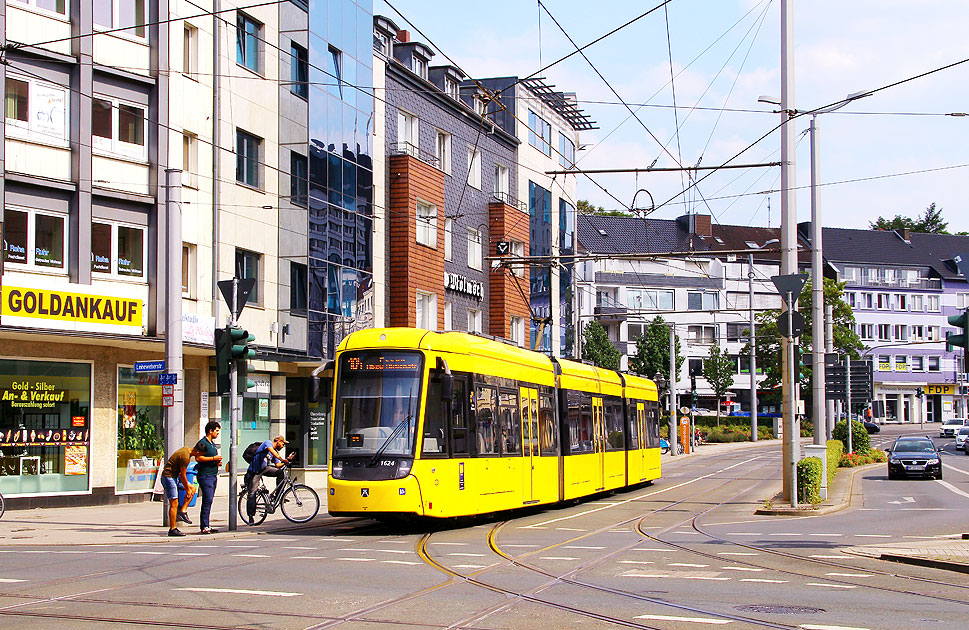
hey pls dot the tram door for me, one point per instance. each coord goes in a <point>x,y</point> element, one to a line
<point>530,449</point>
<point>599,443</point>
<point>641,436</point>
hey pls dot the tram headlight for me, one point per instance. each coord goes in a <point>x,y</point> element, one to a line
<point>403,468</point>
<point>337,468</point>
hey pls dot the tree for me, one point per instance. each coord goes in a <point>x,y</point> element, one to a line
<point>930,222</point>
<point>718,370</point>
<point>653,351</point>
<point>584,207</point>
<point>597,349</point>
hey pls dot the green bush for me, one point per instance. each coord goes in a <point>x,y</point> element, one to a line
<point>809,471</point>
<point>835,449</point>
<point>807,428</point>
<point>859,436</point>
<point>728,434</point>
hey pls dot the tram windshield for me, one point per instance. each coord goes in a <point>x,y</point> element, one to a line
<point>377,403</point>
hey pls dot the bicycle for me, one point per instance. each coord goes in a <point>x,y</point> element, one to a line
<point>299,502</point>
<point>664,447</point>
<point>1,506</point>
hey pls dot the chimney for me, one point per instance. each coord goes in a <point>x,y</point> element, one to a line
<point>703,225</point>
<point>403,36</point>
<point>905,234</point>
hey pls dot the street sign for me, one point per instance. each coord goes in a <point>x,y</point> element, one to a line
<point>168,378</point>
<point>789,284</point>
<point>244,288</point>
<point>830,358</point>
<point>168,390</point>
<point>797,322</point>
<point>168,401</point>
<point>502,248</point>
<point>149,366</point>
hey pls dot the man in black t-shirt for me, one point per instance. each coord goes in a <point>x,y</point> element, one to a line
<point>206,453</point>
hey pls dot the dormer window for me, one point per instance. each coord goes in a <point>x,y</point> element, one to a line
<point>480,106</point>
<point>381,43</point>
<point>419,66</point>
<point>451,88</point>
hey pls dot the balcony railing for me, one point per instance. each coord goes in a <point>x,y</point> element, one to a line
<point>508,200</point>
<point>611,313</point>
<point>406,148</point>
<point>921,283</point>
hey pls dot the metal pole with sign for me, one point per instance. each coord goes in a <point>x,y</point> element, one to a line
<point>848,398</point>
<point>790,324</point>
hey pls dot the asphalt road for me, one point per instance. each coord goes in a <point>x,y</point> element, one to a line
<point>686,552</point>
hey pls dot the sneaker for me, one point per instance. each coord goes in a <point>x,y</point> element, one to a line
<point>175,532</point>
<point>209,530</point>
<point>183,517</point>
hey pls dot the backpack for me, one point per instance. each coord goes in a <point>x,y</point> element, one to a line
<point>250,453</point>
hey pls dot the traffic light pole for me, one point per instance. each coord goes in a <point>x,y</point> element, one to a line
<point>235,416</point>
<point>848,399</point>
<point>790,420</point>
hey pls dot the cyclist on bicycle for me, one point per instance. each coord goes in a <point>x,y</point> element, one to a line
<point>267,462</point>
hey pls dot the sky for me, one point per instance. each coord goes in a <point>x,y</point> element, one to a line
<point>893,152</point>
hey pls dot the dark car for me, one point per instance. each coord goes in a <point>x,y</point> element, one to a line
<point>871,427</point>
<point>914,457</point>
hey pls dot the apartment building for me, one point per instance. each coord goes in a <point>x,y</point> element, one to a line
<point>450,190</point>
<point>705,296</point>
<point>260,108</point>
<point>902,287</point>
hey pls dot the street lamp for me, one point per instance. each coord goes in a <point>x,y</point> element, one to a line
<point>661,384</point>
<point>753,338</point>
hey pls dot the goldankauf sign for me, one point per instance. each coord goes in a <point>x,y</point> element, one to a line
<point>461,284</point>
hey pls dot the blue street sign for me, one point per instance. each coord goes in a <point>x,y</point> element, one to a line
<point>149,366</point>
<point>168,378</point>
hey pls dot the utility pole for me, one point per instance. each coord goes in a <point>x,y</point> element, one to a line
<point>673,375</point>
<point>788,240</point>
<point>829,348</point>
<point>817,295</point>
<point>175,414</point>
<point>753,350</point>
<point>235,418</point>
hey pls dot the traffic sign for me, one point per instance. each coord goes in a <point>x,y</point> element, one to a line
<point>168,378</point>
<point>791,283</point>
<point>149,366</point>
<point>168,390</point>
<point>502,248</point>
<point>244,288</point>
<point>168,401</point>
<point>797,323</point>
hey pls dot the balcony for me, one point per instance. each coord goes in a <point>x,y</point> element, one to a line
<point>406,148</point>
<point>508,200</point>
<point>921,283</point>
<point>611,313</point>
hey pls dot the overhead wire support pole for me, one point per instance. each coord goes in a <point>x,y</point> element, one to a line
<point>235,419</point>
<point>753,350</point>
<point>817,298</point>
<point>673,377</point>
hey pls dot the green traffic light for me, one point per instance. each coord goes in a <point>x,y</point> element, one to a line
<point>958,340</point>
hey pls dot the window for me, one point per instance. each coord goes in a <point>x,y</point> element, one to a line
<point>916,304</point>
<point>407,133</point>
<point>917,333</point>
<point>247,266</point>
<point>918,364</point>
<point>703,301</point>
<point>299,71</point>
<point>867,301</point>
<point>517,250</point>
<point>486,420</point>
<point>448,323</point>
<point>120,14</point>
<point>248,33</point>
<point>738,332</point>
<point>851,300</point>
<point>442,151</point>
<point>696,367</point>
<point>451,88</point>
<point>188,270</point>
<point>298,179</point>
<point>566,152</point>
<point>480,106</point>
<point>419,66</point>
<point>474,249</point>
<point>901,332</point>
<point>297,288</point>
<point>901,363</point>
<point>448,231</point>
<point>35,239</point>
<point>248,149</point>
<point>381,43</point>
<point>57,6</point>
<point>426,224</point>
<point>516,329</point>
<point>501,182</point>
<point>118,250</point>
<point>336,72</point>
<point>932,303</point>
<point>426,310</point>
<point>962,300</point>
<point>539,133</point>
<point>702,334</point>
<point>119,128</point>
<point>190,51</point>
<point>651,299</point>
<point>866,331</point>
<point>474,320</point>
<point>934,333</point>
<point>190,160</point>
<point>883,301</point>
<point>934,364</point>
<point>901,302</point>
<point>474,168</point>
<point>884,332</point>
<point>35,110</point>
<point>884,363</point>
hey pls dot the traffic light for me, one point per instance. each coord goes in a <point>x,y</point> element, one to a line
<point>239,340</point>
<point>223,359</point>
<point>960,339</point>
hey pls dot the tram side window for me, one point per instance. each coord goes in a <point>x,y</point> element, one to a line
<point>632,422</point>
<point>486,416</point>
<point>580,422</point>
<point>435,442</point>
<point>652,424</point>
<point>546,426</point>
<point>459,423</point>
<point>511,428</point>
<point>615,438</point>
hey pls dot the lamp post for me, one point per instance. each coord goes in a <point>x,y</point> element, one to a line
<point>661,384</point>
<point>753,340</point>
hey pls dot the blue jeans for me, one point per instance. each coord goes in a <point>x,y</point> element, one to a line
<point>207,488</point>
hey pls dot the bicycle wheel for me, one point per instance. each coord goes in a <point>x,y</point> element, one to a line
<point>1,506</point>
<point>300,503</point>
<point>262,508</point>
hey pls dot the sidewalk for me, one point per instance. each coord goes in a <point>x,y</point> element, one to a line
<point>951,554</point>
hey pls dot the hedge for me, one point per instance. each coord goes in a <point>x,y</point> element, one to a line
<point>860,440</point>
<point>809,471</point>
<point>835,449</point>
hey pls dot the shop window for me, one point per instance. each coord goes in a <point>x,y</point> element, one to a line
<point>119,128</point>
<point>35,110</point>
<point>35,239</point>
<point>141,433</point>
<point>45,428</point>
<point>118,250</point>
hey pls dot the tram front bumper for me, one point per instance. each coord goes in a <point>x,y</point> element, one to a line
<point>395,496</point>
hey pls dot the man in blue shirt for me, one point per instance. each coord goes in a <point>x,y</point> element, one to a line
<point>207,455</point>
<point>267,462</point>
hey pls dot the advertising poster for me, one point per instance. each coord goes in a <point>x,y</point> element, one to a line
<point>75,460</point>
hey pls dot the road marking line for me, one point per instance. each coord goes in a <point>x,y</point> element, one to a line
<point>857,575</point>
<point>580,547</point>
<point>687,619</point>
<point>958,470</point>
<point>825,534</point>
<point>340,539</point>
<point>831,585</point>
<point>308,557</point>
<point>764,581</point>
<point>828,557</point>
<point>456,544</point>
<point>188,553</point>
<point>358,559</point>
<point>110,552</point>
<point>649,549</point>
<point>301,548</point>
<point>467,566</point>
<point>687,564</point>
<point>569,529</point>
<point>643,575</point>
<point>556,558</point>
<point>736,553</point>
<point>10,580</point>
<point>398,562</point>
<point>873,535</point>
<point>144,553</point>
<point>949,486</point>
<point>811,626</point>
<point>741,569</point>
<point>636,562</point>
<point>467,555</point>
<point>785,534</point>
<point>237,591</point>
<point>241,546</point>
<point>744,534</point>
<point>380,550</point>
<point>249,555</point>
<point>702,577</point>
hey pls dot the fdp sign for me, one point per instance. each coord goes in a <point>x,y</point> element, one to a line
<point>936,390</point>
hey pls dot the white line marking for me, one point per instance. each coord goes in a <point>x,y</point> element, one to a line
<point>557,558</point>
<point>736,553</point>
<point>958,470</point>
<point>744,534</point>
<point>241,546</point>
<point>10,580</point>
<point>825,534</point>
<point>741,569</point>
<point>308,557</point>
<point>580,547</point>
<point>380,550</point>
<point>340,539</point>
<point>764,581</point>
<point>640,497</point>
<point>398,562</point>
<point>467,555</point>
<point>831,585</point>
<point>949,486</point>
<point>702,577</point>
<point>687,619</point>
<point>687,564</point>
<point>828,557</point>
<point>456,544</point>
<point>569,529</point>
<point>811,626</point>
<point>636,562</point>
<point>468,566</point>
<point>873,535</point>
<point>110,552</point>
<point>237,591</point>
<point>188,553</point>
<point>145,553</point>
<point>358,559</point>
<point>301,548</point>
<point>857,575</point>
<point>785,534</point>
<point>649,549</point>
<point>249,555</point>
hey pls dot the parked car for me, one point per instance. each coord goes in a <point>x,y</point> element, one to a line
<point>961,441</point>
<point>950,426</point>
<point>871,427</point>
<point>914,457</point>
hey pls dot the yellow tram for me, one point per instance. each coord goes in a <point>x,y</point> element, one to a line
<point>450,424</point>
